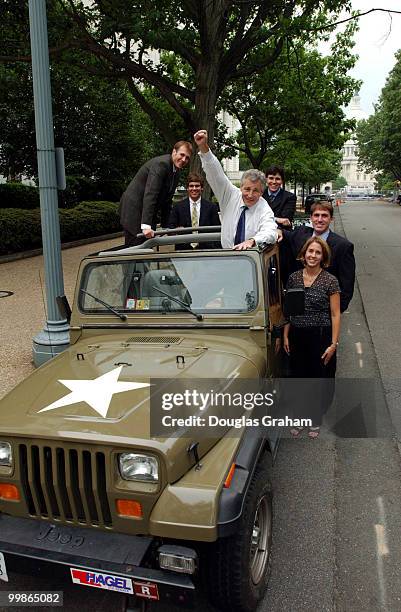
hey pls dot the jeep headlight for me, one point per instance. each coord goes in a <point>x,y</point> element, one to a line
<point>137,467</point>
<point>6,454</point>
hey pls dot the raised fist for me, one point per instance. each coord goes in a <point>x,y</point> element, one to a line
<point>200,138</point>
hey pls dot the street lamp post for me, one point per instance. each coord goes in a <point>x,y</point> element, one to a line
<point>54,337</point>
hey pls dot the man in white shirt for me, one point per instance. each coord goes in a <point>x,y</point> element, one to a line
<point>246,218</point>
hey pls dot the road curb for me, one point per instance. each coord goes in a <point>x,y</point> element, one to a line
<point>66,245</point>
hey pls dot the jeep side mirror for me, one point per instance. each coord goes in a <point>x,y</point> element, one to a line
<point>64,307</point>
<point>294,302</point>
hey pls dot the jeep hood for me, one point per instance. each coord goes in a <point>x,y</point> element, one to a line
<point>98,391</point>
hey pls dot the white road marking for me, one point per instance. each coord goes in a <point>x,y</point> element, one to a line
<point>382,551</point>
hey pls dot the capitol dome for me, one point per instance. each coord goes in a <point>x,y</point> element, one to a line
<point>357,178</point>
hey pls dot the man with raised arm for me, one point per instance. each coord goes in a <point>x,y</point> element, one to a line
<point>246,218</point>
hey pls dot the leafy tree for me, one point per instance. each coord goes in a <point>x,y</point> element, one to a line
<point>308,166</point>
<point>105,134</point>
<point>103,131</point>
<point>379,137</point>
<point>205,45</point>
<point>17,121</point>
<point>299,99</point>
<point>384,182</point>
<point>339,183</point>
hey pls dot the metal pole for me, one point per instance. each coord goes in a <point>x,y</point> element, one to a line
<point>54,337</point>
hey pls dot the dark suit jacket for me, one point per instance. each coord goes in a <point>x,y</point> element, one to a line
<point>180,216</point>
<point>342,262</point>
<point>283,205</point>
<point>150,191</point>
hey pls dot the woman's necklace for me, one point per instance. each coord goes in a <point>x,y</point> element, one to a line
<point>311,277</point>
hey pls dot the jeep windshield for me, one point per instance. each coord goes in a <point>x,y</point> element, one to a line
<point>203,284</point>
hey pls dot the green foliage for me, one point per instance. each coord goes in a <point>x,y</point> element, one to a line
<point>379,137</point>
<point>339,183</point>
<point>80,188</point>
<point>21,229</point>
<point>385,183</point>
<point>17,195</point>
<point>204,46</point>
<point>105,135</point>
<point>298,101</point>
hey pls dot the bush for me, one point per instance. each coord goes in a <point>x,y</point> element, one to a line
<point>89,219</point>
<point>17,195</point>
<point>80,188</point>
<point>20,230</point>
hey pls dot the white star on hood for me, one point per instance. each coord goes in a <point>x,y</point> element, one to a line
<point>97,392</point>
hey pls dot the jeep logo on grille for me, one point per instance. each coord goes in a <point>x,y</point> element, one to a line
<point>51,534</point>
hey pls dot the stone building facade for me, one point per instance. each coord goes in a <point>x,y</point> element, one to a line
<point>356,176</point>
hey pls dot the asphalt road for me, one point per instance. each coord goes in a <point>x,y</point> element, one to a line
<point>337,528</point>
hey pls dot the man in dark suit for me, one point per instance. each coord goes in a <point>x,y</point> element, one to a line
<point>194,210</point>
<point>150,191</point>
<point>342,261</point>
<point>281,202</point>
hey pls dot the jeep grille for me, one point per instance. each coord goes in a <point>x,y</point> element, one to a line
<point>155,340</point>
<point>65,484</point>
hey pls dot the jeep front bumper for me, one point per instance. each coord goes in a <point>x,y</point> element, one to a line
<point>37,547</point>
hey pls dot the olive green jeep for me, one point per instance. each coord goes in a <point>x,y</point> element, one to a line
<point>86,492</point>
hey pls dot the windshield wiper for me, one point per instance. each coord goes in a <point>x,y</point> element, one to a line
<point>121,316</point>
<point>178,301</point>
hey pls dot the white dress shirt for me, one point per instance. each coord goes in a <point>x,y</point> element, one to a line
<point>259,219</point>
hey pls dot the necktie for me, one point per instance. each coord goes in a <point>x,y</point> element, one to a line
<point>194,217</point>
<point>194,221</point>
<point>240,233</point>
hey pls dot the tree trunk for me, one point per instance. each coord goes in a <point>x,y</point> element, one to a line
<point>205,109</point>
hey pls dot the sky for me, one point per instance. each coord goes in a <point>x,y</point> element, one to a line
<point>376,42</point>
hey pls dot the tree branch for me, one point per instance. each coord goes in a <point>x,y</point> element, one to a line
<point>53,52</point>
<point>139,71</point>
<point>254,36</point>
<point>157,119</point>
<point>356,16</point>
<point>250,69</point>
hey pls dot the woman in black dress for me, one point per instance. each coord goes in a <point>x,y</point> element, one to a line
<point>311,339</point>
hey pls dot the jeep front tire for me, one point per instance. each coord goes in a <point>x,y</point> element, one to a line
<point>239,566</point>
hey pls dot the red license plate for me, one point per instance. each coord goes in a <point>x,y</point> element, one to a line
<point>146,589</point>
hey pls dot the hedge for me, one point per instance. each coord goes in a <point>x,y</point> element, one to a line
<point>18,195</point>
<point>20,230</point>
<point>80,188</point>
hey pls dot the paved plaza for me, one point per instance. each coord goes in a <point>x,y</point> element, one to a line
<point>23,313</point>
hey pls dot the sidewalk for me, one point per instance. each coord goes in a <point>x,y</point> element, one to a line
<point>22,315</point>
